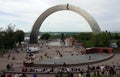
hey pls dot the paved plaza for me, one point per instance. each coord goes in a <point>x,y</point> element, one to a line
<point>50,55</point>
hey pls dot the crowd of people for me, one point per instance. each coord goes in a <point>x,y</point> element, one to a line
<point>87,71</point>
<point>16,75</point>
<point>103,71</point>
<point>38,70</point>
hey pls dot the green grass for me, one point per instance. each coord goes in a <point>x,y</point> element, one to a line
<point>64,75</point>
<point>118,75</point>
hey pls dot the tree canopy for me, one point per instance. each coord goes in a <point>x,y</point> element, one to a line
<point>102,40</point>
<point>45,36</point>
<point>19,35</point>
<point>9,38</point>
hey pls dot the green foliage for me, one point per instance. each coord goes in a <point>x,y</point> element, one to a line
<point>118,43</point>
<point>118,75</point>
<point>55,36</point>
<point>85,36</point>
<point>114,36</point>
<point>96,76</point>
<point>19,35</point>
<point>62,36</point>
<point>89,39</point>
<point>2,51</point>
<point>82,36</point>
<point>101,40</point>
<point>45,36</point>
<point>88,43</point>
<point>7,38</point>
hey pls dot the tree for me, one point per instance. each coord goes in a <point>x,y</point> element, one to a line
<point>62,37</point>
<point>2,34</point>
<point>84,36</point>
<point>118,43</point>
<point>116,36</point>
<point>54,36</point>
<point>9,37</point>
<point>102,40</point>
<point>19,36</point>
<point>45,36</point>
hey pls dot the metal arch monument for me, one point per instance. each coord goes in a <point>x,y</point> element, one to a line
<point>35,30</point>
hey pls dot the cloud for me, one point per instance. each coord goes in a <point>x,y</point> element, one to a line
<point>25,12</point>
<point>21,11</point>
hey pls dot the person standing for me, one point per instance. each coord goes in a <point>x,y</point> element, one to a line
<point>16,75</point>
<point>88,74</point>
<point>9,75</point>
<point>23,75</point>
<point>81,73</point>
<point>3,74</point>
<point>34,75</point>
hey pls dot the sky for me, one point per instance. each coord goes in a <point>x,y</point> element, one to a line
<point>23,14</point>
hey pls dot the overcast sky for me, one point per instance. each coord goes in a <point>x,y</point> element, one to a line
<point>23,13</point>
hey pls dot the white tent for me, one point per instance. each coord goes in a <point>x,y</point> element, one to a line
<point>32,49</point>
